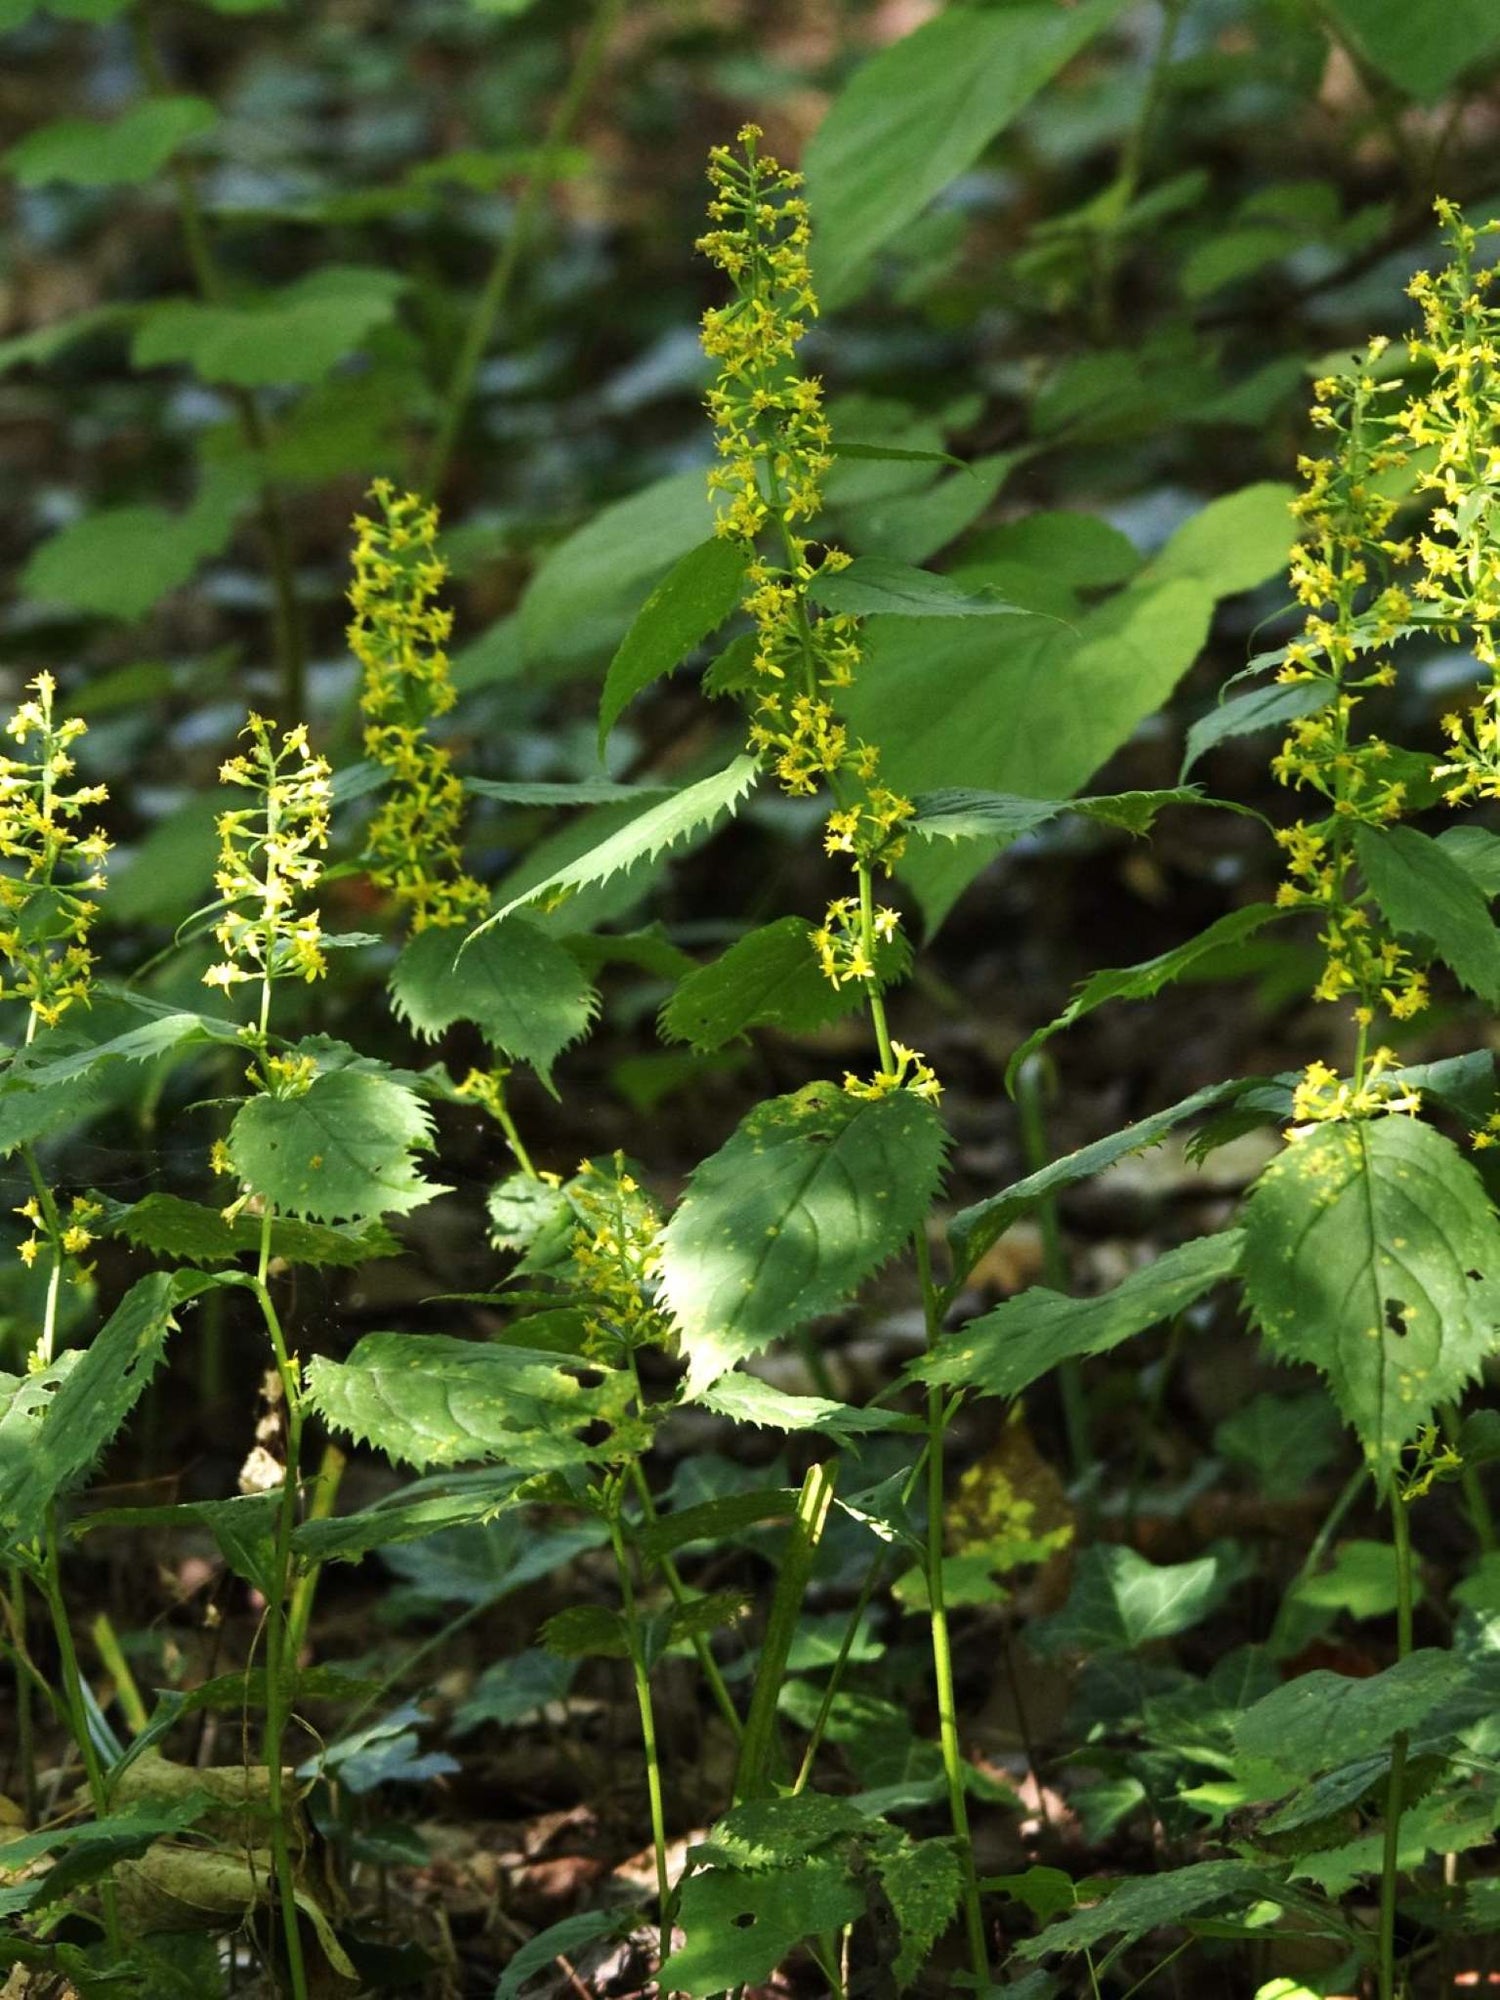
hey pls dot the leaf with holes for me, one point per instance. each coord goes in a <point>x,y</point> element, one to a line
<point>812,1194</point>
<point>429,1400</point>
<point>55,1425</point>
<point>770,978</point>
<point>525,993</point>
<point>1024,1338</point>
<point>1372,1251</point>
<point>341,1152</point>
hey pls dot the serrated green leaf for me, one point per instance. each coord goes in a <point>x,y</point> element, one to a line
<point>575,792</point>
<point>811,1194</point>
<point>922,1881</point>
<point>1423,891</point>
<point>1372,1251</point>
<point>525,993</point>
<point>919,113</point>
<point>430,1400</point>
<point>1143,981</point>
<point>960,814</point>
<point>521,1207</point>
<point>975,1228</point>
<point>294,335</point>
<point>90,152</point>
<point>644,838</point>
<point>1322,1721</point>
<point>1024,1338</point>
<point>1120,1600</point>
<point>692,600</point>
<point>55,1425</point>
<point>738,1927</point>
<point>875,586</point>
<point>768,978</point>
<point>1141,1904</point>
<point>341,1152</point>
<point>425,1508</point>
<point>120,561</point>
<point>1243,714</point>
<point>745,1399</point>
<point>170,1226</point>
<point>1477,852</point>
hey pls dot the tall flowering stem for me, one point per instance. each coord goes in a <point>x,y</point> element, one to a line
<point>270,858</point>
<point>775,450</point>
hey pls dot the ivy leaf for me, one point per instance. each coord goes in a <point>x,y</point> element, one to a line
<point>918,114</point>
<point>975,1228</point>
<point>525,993</point>
<point>341,1152</point>
<point>55,1425</point>
<point>1372,1251</point>
<point>90,152</point>
<point>1422,890</point>
<point>293,335</point>
<point>169,1226</point>
<point>428,1400</point>
<point>692,600</point>
<point>960,814</point>
<point>1141,982</point>
<point>769,978</point>
<point>647,836</point>
<point>1139,1905</point>
<point>1120,1601</point>
<point>875,586</point>
<point>1022,1339</point>
<point>809,1196</point>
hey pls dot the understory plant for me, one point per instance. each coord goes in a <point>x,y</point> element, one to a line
<point>545,1403</point>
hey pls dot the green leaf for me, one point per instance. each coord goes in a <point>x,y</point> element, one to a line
<point>1372,1251</point>
<point>1477,852</point>
<point>644,838</point>
<point>579,599</point>
<point>745,1399</point>
<point>874,586</point>
<point>692,600</point>
<point>913,527</point>
<point>55,1425</point>
<point>169,1226</point>
<point>1019,1341</point>
<point>920,112</point>
<point>1120,1601</point>
<point>120,561</point>
<point>959,814</point>
<point>521,1207</point>
<point>512,1690</point>
<point>1143,981</point>
<point>430,1400</point>
<point>1322,1721</point>
<point>1234,543</point>
<point>165,1034</point>
<point>1285,1440</point>
<point>922,1881</point>
<point>89,152</point>
<point>811,1194</point>
<point>294,335</point>
<point>43,342</point>
<point>427,1507</point>
<point>769,978</point>
<point>341,1152</point>
<point>739,1926</point>
<point>1400,42</point>
<point>89,1849</point>
<point>1141,1904</point>
<point>1361,1581</point>
<point>1422,890</point>
<point>576,792</point>
<point>1244,714</point>
<point>524,992</point>
<point>565,1939</point>
<point>244,1529</point>
<point>974,1229</point>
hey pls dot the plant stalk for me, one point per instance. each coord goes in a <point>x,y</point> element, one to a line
<point>1390,1859</point>
<point>78,1721</point>
<point>642,1680</point>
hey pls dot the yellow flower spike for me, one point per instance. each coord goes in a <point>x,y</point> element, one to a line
<point>398,634</point>
<point>57,864</point>
<point>269,855</point>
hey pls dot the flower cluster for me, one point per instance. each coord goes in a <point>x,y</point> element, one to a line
<point>910,1071</point>
<point>398,634</point>
<point>72,1238</point>
<point>1322,1095</point>
<point>616,1255</point>
<point>269,857</point>
<point>775,451</point>
<point>54,867</point>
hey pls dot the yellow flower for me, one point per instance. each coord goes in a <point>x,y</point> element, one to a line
<point>268,857</point>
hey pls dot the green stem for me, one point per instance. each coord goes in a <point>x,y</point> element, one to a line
<point>1476,1500</point>
<point>648,1730</point>
<point>708,1665</point>
<point>78,1721</point>
<point>25,1712</point>
<point>1389,1870</point>
<point>492,299</point>
<point>1030,1099</point>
